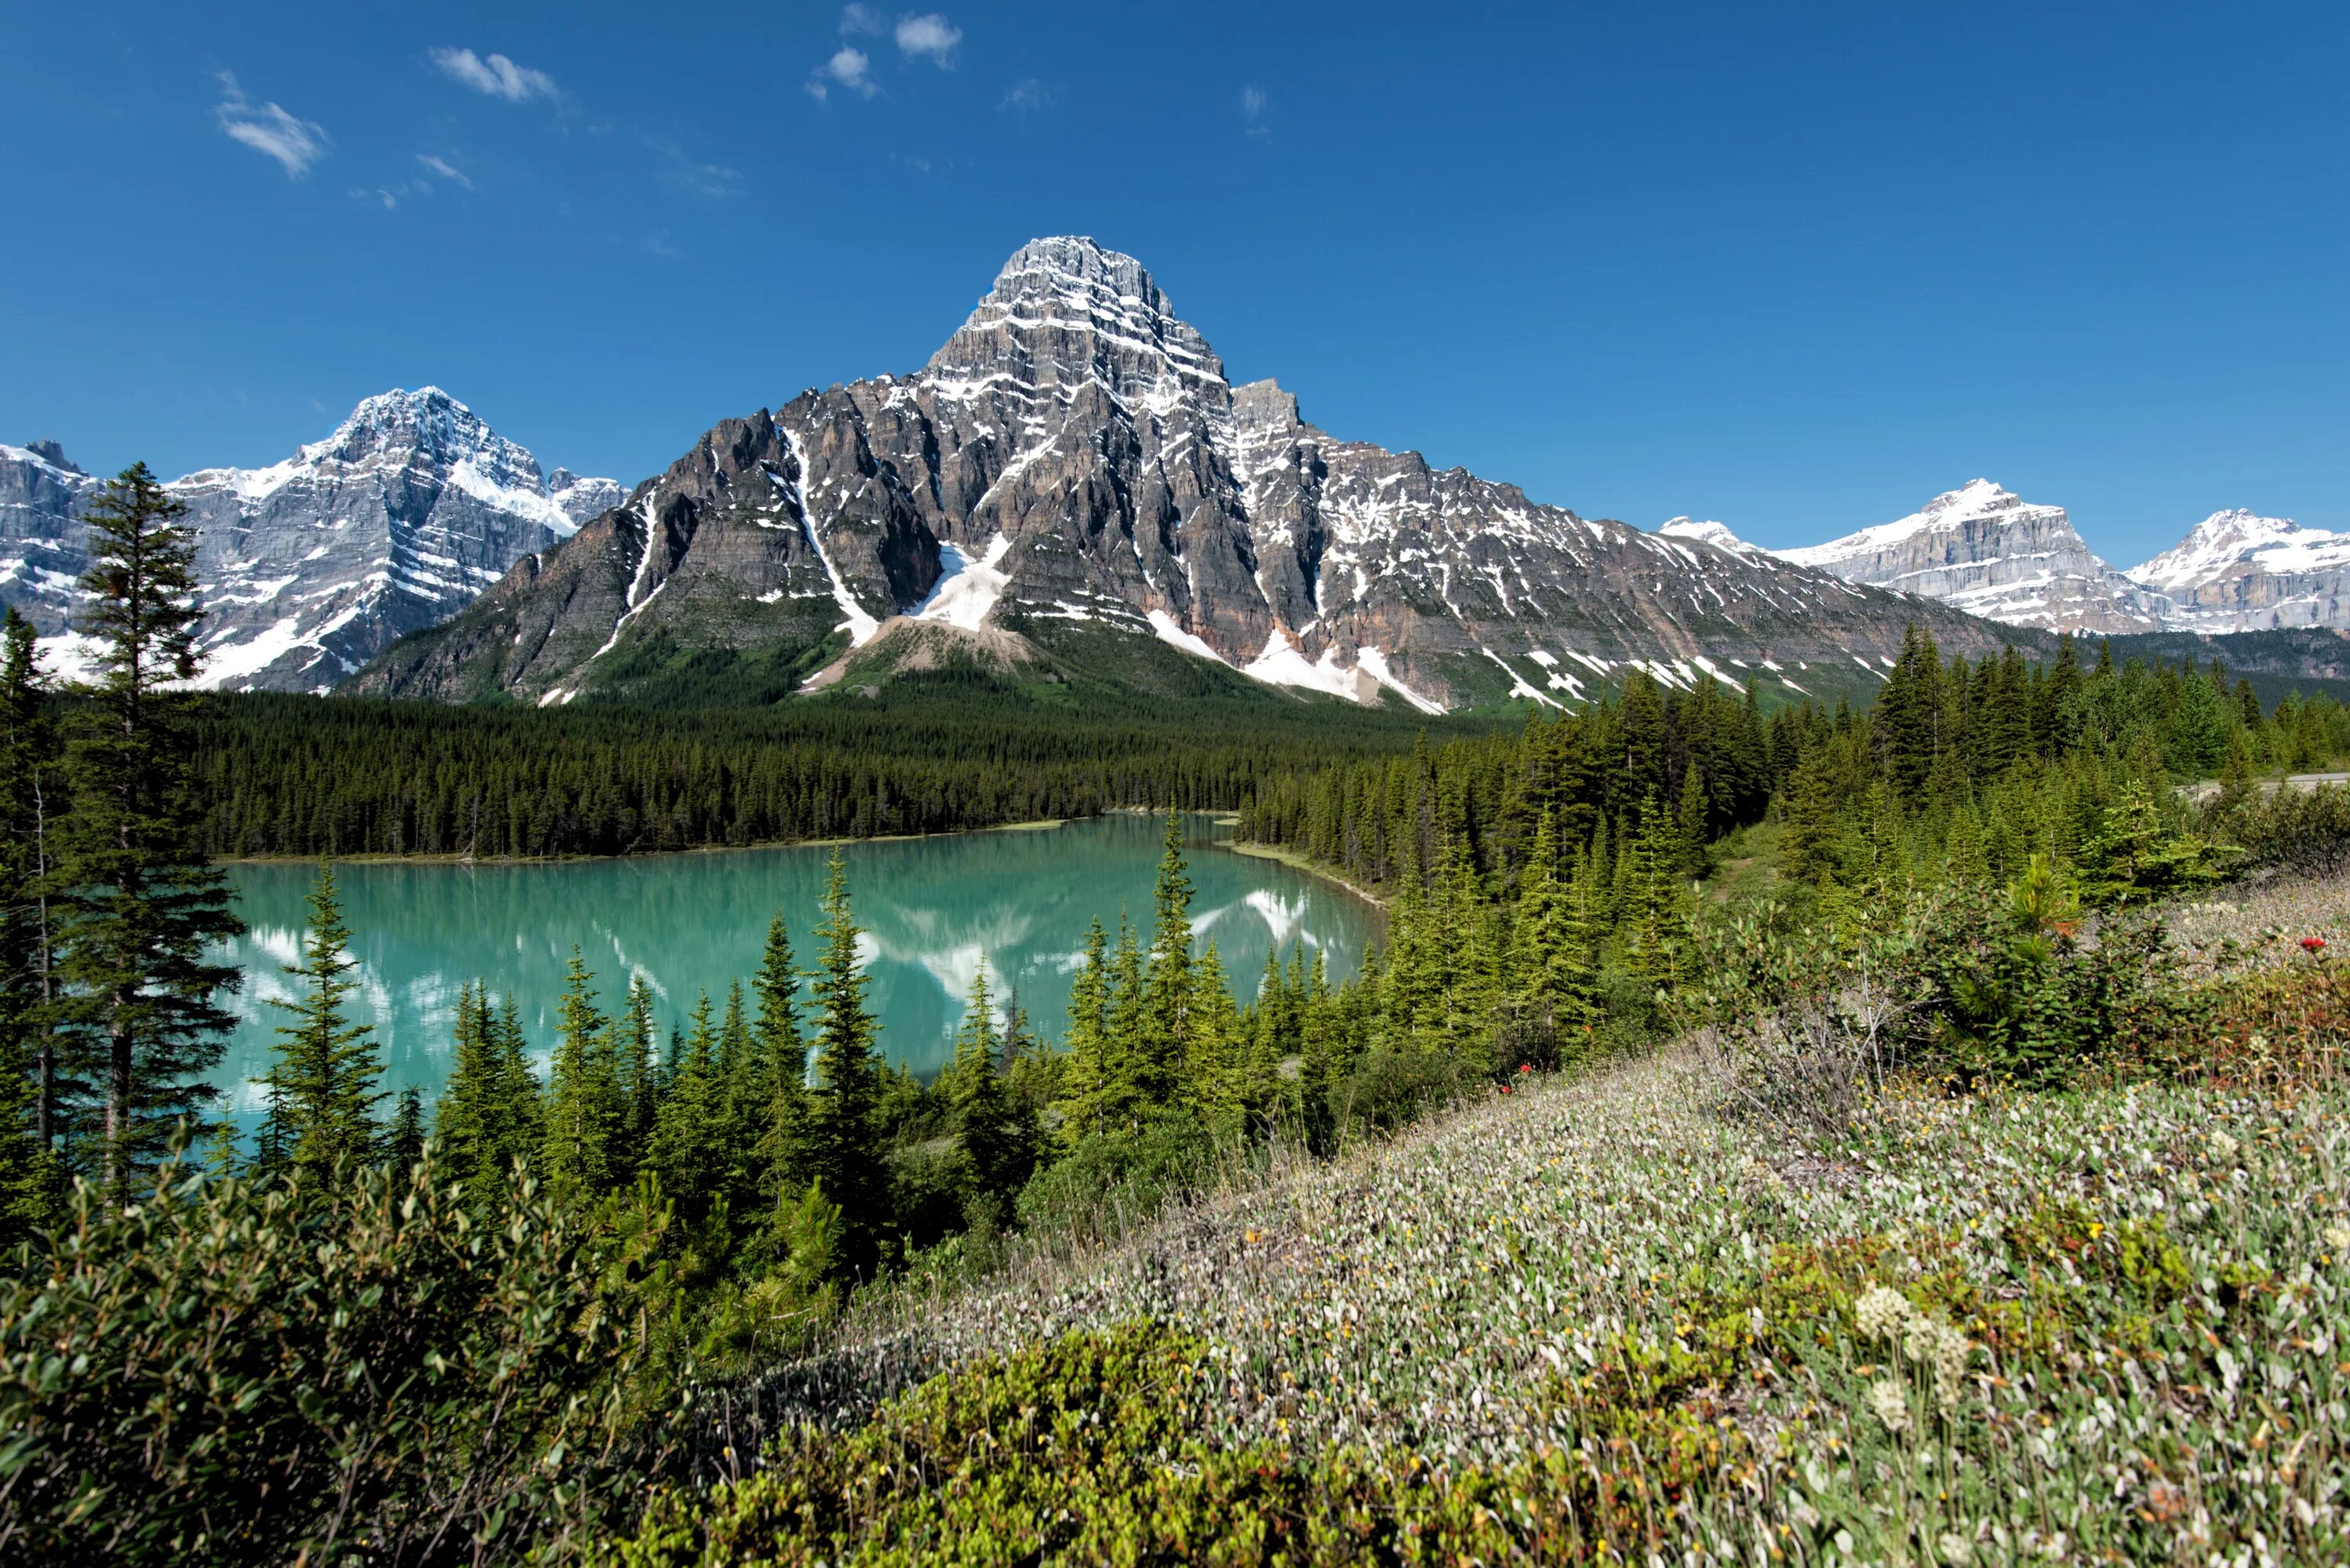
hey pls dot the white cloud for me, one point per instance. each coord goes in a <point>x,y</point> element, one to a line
<point>295,143</point>
<point>930,36</point>
<point>863,19</point>
<point>690,175</point>
<point>1029,95</point>
<point>1252,106</point>
<point>446,170</point>
<point>852,68</point>
<point>497,75</point>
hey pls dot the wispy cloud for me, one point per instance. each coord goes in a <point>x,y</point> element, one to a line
<point>446,170</point>
<point>1252,107</point>
<point>386,198</point>
<point>690,175</point>
<point>496,76</point>
<point>1028,95</point>
<point>930,37</point>
<point>656,243</point>
<point>863,20</point>
<point>295,143</point>
<point>850,68</point>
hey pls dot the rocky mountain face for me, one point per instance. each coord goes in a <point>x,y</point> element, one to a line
<point>41,553</point>
<point>2238,571</point>
<point>310,567</point>
<point>1983,550</point>
<point>1072,474</point>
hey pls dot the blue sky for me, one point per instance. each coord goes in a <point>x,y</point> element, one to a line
<point>1794,267</point>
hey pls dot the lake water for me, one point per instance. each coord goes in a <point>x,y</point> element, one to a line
<point>932,908</point>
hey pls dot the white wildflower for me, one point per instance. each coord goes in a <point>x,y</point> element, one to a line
<point>1887,1397</point>
<point>2339,1237</point>
<point>1951,1352</point>
<point>2223,1147</point>
<point>1954,1549</point>
<point>1883,1311</point>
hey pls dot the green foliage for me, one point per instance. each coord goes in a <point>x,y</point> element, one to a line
<point>227,1372</point>
<point>141,905</point>
<point>844,1140</point>
<point>322,1086</point>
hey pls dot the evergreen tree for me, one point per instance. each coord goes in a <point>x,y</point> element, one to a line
<point>1167,985</point>
<point>323,1084</point>
<point>1550,960</point>
<point>783,1136</point>
<point>996,1159</point>
<point>638,1068</point>
<point>689,1147</point>
<point>1086,1081</point>
<point>143,905</point>
<point>404,1141</point>
<point>844,1138</point>
<point>582,1122</point>
<point>28,1078</point>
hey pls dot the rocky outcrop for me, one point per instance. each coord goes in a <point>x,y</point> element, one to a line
<point>1985,551</point>
<point>2238,571</point>
<point>41,553</point>
<point>310,567</point>
<point>1073,463</point>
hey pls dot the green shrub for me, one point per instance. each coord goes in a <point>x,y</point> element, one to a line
<point>232,1373</point>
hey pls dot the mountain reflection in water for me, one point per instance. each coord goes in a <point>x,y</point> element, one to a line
<point>932,908</point>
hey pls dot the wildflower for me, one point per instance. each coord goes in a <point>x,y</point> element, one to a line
<point>1891,1405</point>
<point>1950,1355</point>
<point>1954,1549</point>
<point>2223,1146</point>
<point>2312,944</point>
<point>2339,1237</point>
<point>1882,1311</point>
<point>1525,1066</point>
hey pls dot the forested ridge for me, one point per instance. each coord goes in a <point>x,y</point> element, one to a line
<point>298,776</point>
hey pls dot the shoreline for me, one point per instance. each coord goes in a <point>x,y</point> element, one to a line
<point>1040,824</point>
<point>1297,862</point>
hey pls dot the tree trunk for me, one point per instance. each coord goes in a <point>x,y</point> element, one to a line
<point>117,1099</point>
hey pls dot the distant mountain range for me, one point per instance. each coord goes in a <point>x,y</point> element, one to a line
<point>1071,489</point>
<point>1072,486</point>
<point>1988,552</point>
<point>312,567</point>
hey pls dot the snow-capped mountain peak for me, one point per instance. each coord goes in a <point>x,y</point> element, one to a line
<point>2218,542</point>
<point>2239,571</point>
<point>1718,535</point>
<point>1987,551</point>
<point>310,566</point>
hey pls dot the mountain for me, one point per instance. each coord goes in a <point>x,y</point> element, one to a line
<point>1073,485</point>
<point>41,554</point>
<point>311,566</point>
<point>2237,571</point>
<point>1983,550</point>
<point>1715,534</point>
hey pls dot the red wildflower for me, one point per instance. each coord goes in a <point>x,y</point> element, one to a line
<point>2312,944</point>
<point>1525,1066</point>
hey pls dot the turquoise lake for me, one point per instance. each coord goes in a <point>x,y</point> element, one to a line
<point>932,908</point>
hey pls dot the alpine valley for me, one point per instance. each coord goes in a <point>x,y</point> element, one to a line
<point>312,565</point>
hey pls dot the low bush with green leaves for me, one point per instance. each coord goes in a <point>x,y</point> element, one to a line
<point>229,1372</point>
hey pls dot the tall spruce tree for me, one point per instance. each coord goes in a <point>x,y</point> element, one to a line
<point>28,1075</point>
<point>1085,1076</point>
<point>844,1135</point>
<point>1166,983</point>
<point>143,905</point>
<point>583,1100</point>
<point>324,1081</point>
<point>783,1132</point>
<point>996,1159</point>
